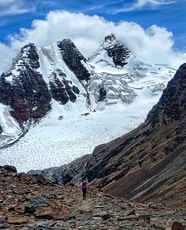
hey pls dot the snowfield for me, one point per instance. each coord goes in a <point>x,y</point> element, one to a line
<point>56,142</point>
<point>63,136</point>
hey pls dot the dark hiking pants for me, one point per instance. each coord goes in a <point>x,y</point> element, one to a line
<point>84,190</point>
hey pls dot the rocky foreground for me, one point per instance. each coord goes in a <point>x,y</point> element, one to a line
<point>33,202</point>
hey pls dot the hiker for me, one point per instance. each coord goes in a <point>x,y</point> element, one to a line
<point>84,187</point>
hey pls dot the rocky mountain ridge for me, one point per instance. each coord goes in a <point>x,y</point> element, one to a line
<point>33,202</point>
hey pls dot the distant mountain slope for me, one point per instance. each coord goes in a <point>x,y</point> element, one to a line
<point>48,93</point>
<point>148,163</point>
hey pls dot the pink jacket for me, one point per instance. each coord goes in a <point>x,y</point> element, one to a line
<point>84,186</point>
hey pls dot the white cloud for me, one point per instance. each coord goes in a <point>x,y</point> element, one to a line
<point>7,54</point>
<point>87,32</point>
<point>143,3</point>
<point>14,7</point>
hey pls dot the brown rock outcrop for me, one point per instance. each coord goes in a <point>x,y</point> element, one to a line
<point>73,58</point>
<point>26,94</point>
<point>56,213</point>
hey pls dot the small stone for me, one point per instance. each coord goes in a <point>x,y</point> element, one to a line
<point>131,217</point>
<point>18,220</point>
<point>12,209</point>
<point>120,219</point>
<point>103,215</point>
<point>178,226</point>
<point>85,209</point>
<point>98,206</point>
<point>153,206</point>
<point>145,218</point>
<point>129,213</point>
<point>83,224</point>
<point>97,218</point>
<point>29,209</point>
<point>126,226</point>
<point>53,213</point>
<point>162,226</point>
<point>4,226</point>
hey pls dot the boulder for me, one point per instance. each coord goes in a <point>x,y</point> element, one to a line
<point>178,226</point>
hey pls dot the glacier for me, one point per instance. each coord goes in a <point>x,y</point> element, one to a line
<point>68,131</point>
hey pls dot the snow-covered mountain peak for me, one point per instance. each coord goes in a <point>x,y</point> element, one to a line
<point>111,53</point>
<point>53,93</point>
<point>109,42</point>
<point>27,58</point>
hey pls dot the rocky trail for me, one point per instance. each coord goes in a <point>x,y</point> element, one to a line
<point>33,202</point>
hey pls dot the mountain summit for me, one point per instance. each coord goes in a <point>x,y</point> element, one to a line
<point>63,105</point>
<point>112,53</point>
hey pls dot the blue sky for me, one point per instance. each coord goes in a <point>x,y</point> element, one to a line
<point>43,22</point>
